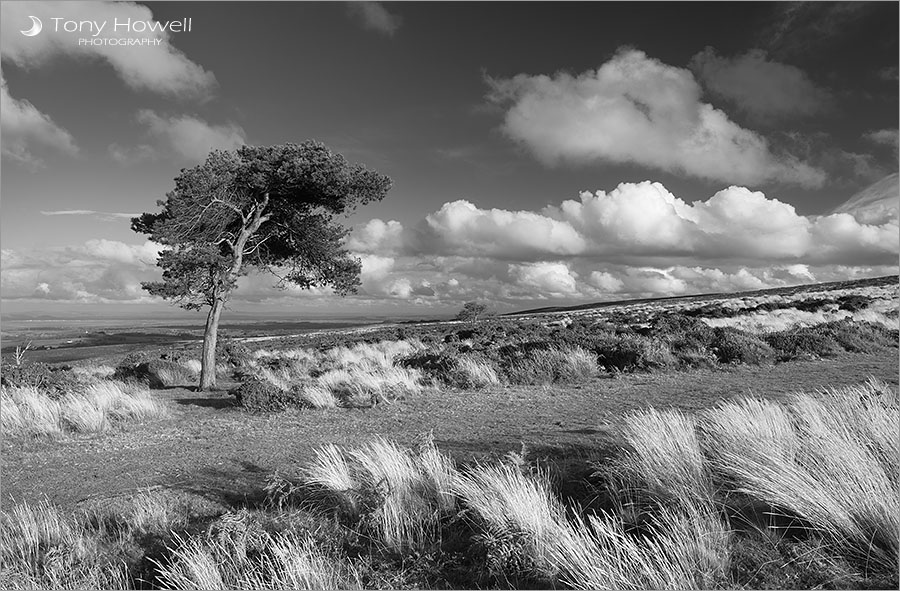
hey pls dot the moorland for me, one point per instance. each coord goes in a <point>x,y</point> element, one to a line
<point>723,441</point>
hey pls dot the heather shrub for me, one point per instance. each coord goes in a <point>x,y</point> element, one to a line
<point>258,395</point>
<point>436,365</point>
<point>734,346</point>
<point>630,352</point>
<point>55,382</point>
<point>859,337</point>
<point>804,342</point>
<point>854,302</point>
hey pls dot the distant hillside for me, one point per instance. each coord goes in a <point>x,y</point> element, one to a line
<point>875,281</point>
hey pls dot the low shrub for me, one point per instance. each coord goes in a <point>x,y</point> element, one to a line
<point>734,346</point>
<point>436,365</point>
<point>256,395</point>
<point>55,382</point>
<point>854,302</point>
<point>629,352</point>
<point>803,343</point>
<point>859,337</point>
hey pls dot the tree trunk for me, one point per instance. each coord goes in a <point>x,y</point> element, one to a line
<point>208,360</point>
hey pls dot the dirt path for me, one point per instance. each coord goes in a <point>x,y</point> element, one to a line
<point>212,450</point>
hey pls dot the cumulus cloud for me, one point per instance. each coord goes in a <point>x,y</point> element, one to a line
<point>376,236</point>
<point>765,89</point>
<point>637,240</point>
<point>458,226</point>
<point>162,68</point>
<point>374,17</point>
<point>190,137</point>
<point>635,109</point>
<point>24,128</point>
<point>604,281</point>
<point>554,279</point>
<point>637,222</point>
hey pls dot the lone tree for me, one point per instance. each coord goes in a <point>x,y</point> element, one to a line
<point>257,208</point>
<point>472,311</point>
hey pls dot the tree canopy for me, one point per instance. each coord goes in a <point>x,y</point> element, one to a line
<point>472,311</point>
<point>258,208</point>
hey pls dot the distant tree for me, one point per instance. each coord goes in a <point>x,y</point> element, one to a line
<point>257,208</point>
<point>472,311</point>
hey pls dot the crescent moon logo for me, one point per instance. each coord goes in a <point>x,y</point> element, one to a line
<point>36,26</point>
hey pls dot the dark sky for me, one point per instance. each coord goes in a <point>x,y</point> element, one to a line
<point>508,106</point>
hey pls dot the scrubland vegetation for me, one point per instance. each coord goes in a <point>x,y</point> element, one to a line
<point>750,493</point>
<point>502,354</point>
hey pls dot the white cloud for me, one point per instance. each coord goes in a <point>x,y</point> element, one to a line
<point>605,282</point>
<point>376,236</point>
<point>162,68</point>
<point>637,240</point>
<point>637,222</point>
<point>23,127</point>
<point>554,279</point>
<point>636,218</point>
<point>460,227</point>
<point>378,279</point>
<point>375,17</point>
<point>97,271</point>
<point>189,136</point>
<point>765,89</point>
<point>131,254</point>
<point>635,109</point>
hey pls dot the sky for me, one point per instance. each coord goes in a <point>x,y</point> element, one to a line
<point>541,153</point>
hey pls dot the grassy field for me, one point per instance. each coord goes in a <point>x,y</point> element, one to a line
<point>643,448</point>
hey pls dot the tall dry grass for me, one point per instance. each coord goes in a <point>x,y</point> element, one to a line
<point>43,548</point>
<point>284,561</point>
<point>361,375</point>
<point>363,384</point>
<point>664,456</point>
<point>682,550</point>
<point>473,372</point>
<point>403,493</point>
<point>828,460</point>
<point>29,411</point>
<point>555,364</point>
